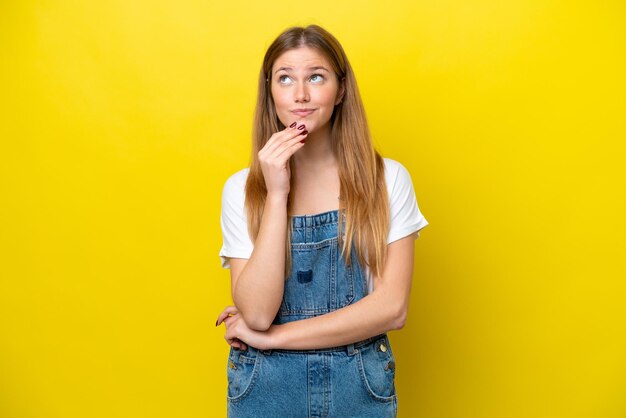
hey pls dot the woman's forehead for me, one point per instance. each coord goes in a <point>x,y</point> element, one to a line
<point>299,59</point>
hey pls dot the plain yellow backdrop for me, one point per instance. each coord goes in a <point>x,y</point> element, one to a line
<point>121,120</point>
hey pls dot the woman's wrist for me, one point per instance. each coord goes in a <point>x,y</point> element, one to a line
<point>277,199</point>
<point>276,336</point>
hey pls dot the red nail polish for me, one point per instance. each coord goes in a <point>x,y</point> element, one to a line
<point>216,323</point>
<point>304,132</point>
<point>293,124</point>
<point>303,141</point>
<point>301,127</point>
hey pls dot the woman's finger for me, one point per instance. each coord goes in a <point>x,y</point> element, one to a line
<point>224,314</point>
<point>288,148</point>
<point>294,134</point>
<point>237,343</point>
<point>277,140</point>
<point>229,335</point>
<point>242,345</point>
<point>278,154</point>
<point>229,320</point>
<point>274,140</point>
<point>232,342</point>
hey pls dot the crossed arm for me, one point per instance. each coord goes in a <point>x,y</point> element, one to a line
<point>385,309</point>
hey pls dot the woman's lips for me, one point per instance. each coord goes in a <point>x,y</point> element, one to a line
<point>303,113</point>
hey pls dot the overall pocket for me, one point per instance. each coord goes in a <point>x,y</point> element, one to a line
<point>311,288</point>
<point>242,372</point>
<point>377,368</point>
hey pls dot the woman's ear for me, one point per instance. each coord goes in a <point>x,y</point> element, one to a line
<point>342,91</point>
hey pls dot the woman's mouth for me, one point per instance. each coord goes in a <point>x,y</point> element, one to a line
<point>303,113</point>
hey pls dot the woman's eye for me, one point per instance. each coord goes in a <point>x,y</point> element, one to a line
<point>281,78</point>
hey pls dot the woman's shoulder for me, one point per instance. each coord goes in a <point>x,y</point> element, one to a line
<point>237,179</point>
<point>234,189</point>
<point>392,166</point>
<point>394,172</point>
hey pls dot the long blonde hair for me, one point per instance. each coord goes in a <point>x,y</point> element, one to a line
<point>364,200</point>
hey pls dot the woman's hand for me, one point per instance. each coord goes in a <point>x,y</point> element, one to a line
<point>274,158</point>
<point>238,334</point>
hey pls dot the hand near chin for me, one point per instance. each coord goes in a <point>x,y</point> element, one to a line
<point>274,158</point>
<point>238,335</point>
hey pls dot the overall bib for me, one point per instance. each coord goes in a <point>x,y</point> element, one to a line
<point>355,380</point>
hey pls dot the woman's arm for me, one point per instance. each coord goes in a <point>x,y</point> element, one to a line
<point>258,284</point>
<point>385,309</point>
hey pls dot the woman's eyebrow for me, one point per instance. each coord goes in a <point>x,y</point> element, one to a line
<point>310,68</point>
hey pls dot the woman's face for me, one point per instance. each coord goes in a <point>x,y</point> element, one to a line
<point>302,78</point>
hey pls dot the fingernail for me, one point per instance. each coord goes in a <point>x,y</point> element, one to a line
<point>304,132</point>
<point>293,124</point>
<point>301,127</point>
<point>303,141</point>
<point>216,322</point>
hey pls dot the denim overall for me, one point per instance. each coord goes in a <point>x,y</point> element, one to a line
<point>355,380</point>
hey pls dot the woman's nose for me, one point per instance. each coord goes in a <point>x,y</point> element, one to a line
<point>302,93</point>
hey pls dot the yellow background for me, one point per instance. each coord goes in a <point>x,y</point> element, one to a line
<point>121,120</point>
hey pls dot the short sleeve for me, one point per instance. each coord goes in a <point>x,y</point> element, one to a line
<point>236,241</point>
<point>406,217</point>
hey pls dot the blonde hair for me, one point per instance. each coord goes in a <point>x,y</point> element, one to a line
<point>363,191</point>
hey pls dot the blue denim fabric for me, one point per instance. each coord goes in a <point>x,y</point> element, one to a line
<point>355,380</point>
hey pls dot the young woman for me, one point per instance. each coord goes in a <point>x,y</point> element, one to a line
<point>319,235</point>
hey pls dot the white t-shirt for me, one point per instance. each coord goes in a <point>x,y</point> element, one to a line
<point>406,217</point>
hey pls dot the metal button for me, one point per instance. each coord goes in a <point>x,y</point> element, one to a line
<point>390,365</point>
<point>383,347</point>
<point>232,365</point>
